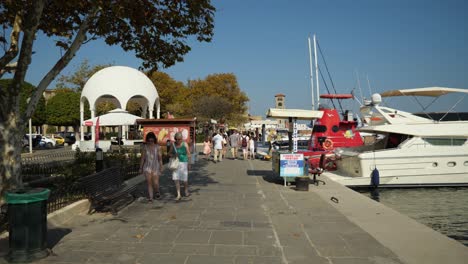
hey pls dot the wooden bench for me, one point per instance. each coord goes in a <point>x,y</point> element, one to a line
<point>107,191</point>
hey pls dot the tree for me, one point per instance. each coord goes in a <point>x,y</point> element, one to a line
<point>78,79</point>
<point>223,85</point>
<point>212,107</point>
<point>171,93</point>
<point>39,116</point>
<point>155,30</point>
<point>63,108</point>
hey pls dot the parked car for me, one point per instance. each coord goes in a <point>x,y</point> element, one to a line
<point>39,140</point>
<point>69,137</point>
<point>58,140</point>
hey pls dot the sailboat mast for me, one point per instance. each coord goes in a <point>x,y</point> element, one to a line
<point>311,75</point>
<point>316,71</point>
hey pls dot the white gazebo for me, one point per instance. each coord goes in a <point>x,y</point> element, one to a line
<point>119,85</point>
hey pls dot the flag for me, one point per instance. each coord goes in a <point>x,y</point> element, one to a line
<point>96,133</point>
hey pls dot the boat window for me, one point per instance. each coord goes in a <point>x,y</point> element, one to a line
<point>395,139</point>
<point>335,129</point>
<point>445,141</point>
<point>451,164</point>
<point>320,129</point>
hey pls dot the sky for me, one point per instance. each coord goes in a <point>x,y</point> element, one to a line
<point>379,44</point>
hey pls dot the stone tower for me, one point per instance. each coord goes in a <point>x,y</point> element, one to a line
<point>279,101</point>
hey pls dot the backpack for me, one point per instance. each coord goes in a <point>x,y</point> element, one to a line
<point>244,142</point>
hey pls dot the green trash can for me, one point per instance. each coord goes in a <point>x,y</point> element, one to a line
<point>27,217</point>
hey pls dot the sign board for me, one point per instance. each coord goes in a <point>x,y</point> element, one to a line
<point>291,165</point>
<point>166,132</point>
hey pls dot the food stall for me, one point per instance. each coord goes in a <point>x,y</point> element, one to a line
<point>165,129</point>
<point>289,164</point>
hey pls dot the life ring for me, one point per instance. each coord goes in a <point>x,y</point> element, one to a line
<point>327,144</point>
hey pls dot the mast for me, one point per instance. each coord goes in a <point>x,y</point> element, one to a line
<point>316,71</point>
<point>311,75</point>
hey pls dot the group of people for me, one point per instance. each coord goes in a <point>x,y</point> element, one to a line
<point>222,141</point>
<point>151,165</point>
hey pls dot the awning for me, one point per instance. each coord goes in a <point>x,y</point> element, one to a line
<point>116,117</point>
<point>428,91</point>
<point>299,114</point>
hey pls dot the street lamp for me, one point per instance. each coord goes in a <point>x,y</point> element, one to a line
<point>30,130</point>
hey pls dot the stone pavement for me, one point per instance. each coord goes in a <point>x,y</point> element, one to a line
<point>238,213</point>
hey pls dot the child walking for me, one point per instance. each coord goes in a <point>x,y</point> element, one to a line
<point>207,148</point>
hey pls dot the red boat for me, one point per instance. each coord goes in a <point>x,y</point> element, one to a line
<point>331,132</point>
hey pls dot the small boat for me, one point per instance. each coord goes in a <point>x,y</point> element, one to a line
<point>409,150</point>
<point>331,132</point>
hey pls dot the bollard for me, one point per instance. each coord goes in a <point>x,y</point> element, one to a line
<point>99,160</point>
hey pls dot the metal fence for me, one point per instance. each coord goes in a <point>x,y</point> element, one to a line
<point>64,189</point>
<point>49,157</point>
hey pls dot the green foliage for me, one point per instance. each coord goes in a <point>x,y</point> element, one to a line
<point>39,115</point>
<point>77,80</point>
<point>64,108</point>
<point>51,130</point>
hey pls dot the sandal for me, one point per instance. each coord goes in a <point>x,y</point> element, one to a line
<point>149,200</point>
<point>178,198</point>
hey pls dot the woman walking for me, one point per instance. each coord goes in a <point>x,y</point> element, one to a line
<point>151,165</point>
<point>181,150</point>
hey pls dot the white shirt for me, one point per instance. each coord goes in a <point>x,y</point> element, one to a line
<point>218,141</point>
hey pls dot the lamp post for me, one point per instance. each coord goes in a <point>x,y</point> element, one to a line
<point>30,130</point>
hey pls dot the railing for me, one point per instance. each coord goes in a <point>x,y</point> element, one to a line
<point>61,178</point>
<point>45,158</point>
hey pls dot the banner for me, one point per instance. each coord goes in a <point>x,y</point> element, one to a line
<point>96,133</point>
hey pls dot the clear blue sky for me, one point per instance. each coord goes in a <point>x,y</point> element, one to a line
<point>396,43</point>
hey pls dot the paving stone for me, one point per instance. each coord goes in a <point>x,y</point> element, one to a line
<point>193,249</point>
<point>257,260</point>
<point>209,260</point>
<point>226,237</point>
<point>235,250</point>
<point>114,257</point>
<point>161,258</point>
<point>262,237</point>
<point>193,236</point>
<point>161,236</point>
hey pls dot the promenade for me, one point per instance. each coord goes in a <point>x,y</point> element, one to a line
<point>239,213</point>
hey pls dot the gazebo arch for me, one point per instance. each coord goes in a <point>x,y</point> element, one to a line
<point>122,84</point>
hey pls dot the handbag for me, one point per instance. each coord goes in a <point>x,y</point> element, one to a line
<point>174,161</point>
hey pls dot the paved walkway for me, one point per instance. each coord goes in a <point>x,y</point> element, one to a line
<point>237,213</point>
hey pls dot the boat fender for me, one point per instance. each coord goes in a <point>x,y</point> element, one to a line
<point>334,199</point>
<point>327,144</point>
<point>375,177</point>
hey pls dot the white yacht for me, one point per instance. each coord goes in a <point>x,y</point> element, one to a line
<point>409,150</point>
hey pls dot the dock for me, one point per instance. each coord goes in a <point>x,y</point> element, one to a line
<point>239,212</point>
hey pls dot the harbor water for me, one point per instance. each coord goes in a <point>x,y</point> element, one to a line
<point>443,209</point>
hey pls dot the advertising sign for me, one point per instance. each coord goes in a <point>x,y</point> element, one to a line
<point>167,132</point>
<point>291,165</point>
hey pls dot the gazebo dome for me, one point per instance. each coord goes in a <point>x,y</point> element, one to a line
<point>121,82</point>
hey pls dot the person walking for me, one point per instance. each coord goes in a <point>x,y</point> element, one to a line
<point>252,147</point>
<point>181,150</point>
<point>207,148</point>
<point>218,147</point>
<point>151,165</point>
<point>244,145</point>
<point>234,139</point>
<point>225,145</point>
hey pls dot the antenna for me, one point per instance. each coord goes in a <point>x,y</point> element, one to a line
<point>359,86</point>
<point>316,71</point>
<point>311,75</point>
<point>368,84</point>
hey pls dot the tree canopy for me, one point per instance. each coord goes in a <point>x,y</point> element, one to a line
<point>156,31</point>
